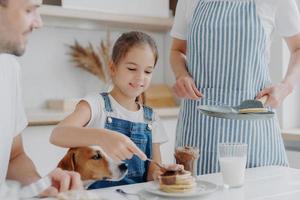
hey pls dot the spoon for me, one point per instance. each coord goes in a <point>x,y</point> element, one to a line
<point>125,194</point>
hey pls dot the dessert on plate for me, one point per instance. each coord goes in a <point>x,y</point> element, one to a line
<point>177,181</point>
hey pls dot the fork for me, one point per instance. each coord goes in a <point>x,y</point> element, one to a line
<point>125,194</point>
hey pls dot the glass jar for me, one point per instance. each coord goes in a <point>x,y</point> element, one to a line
<point>188,157</point>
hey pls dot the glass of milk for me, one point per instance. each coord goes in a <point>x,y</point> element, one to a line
<point>232,158</point>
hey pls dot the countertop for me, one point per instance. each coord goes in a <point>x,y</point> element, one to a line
<point>43,117</point>
<point>291,134</point>
<point>262,183</point>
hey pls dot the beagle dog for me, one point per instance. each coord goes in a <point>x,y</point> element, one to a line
<point>92,164</point>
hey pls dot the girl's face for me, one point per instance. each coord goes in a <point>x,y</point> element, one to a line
<point>132,75</point>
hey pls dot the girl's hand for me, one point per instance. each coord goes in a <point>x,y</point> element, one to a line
<point>173,167</point>
<point>185,88</point>
<point>119,147</point>
<point>277,93</point>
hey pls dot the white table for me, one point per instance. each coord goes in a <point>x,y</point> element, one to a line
<point>270,183</point>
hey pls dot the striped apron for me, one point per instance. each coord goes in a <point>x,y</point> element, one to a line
<point>227,57</point>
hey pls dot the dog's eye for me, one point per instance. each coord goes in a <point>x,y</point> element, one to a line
<point>97,157</point>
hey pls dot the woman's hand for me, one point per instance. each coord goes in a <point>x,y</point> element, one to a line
<point>119,147</point>
<point>185,88</point>
<point>276,94</point>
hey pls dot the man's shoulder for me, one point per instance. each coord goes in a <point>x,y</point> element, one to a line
<point>9,62</point>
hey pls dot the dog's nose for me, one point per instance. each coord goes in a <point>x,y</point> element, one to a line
<point>123,167</point>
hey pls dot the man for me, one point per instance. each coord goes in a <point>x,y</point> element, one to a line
<point>18,18</point>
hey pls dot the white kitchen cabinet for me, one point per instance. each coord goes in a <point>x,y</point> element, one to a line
<point>46,156</point>
<point>292,146</point>
<point>149,8</point>
<point>58,16</point>
<point>36,144</point>
<point>294,158</point>
<point>167,149</point>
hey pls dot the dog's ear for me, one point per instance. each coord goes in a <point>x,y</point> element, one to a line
<point>68,162</point>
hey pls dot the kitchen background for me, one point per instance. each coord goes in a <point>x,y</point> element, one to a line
<point>48,74</point>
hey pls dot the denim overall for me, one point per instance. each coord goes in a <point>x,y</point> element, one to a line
<point>227,58</point>
<point>140,134</point>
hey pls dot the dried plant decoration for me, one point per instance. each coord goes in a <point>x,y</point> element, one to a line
<point>95,62</point>
<point>105,48</point>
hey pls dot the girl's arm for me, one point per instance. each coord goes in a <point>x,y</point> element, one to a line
<point>71,133</point>
<point>153,169</point>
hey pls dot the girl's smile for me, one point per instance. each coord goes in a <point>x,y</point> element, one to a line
<point>136,85</point>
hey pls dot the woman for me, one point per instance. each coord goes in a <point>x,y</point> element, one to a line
<point>220,50</point>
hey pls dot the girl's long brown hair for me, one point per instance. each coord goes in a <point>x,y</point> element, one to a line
<point>3,2</point>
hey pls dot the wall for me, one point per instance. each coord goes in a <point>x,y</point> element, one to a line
<point>289,112</point>
<point>48,73</point>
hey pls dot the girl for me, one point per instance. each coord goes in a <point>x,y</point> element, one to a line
<point>118,112</point>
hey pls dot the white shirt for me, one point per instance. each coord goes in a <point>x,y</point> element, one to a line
<point>276,15</point>
<point>98,116</point>
<point>12,115</point>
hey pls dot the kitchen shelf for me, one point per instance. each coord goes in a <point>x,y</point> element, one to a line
<point>45,117</point>
<point>291,134</point>
<point>85,19</point>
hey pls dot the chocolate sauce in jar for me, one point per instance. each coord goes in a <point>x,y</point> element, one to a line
<point>188,157</point>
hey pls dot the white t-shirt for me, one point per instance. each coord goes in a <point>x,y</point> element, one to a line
<point>279,15</point>
<point>98,116</point>
<point>12,115</point>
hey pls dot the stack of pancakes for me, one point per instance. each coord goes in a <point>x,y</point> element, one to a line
<point>177,181</point>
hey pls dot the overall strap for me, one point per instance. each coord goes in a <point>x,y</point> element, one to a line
<point>148,113</point>
<point>107,103</point>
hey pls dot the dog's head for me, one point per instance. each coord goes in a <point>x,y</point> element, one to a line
<point>92,164</point>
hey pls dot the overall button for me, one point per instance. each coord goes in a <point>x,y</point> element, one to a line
<point>149,127</point>
<point>109,120</point>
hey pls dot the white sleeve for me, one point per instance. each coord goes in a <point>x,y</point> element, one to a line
<point>96,104</point>
<point>21,119</point>
<point>159,134</point>
<point>287,18</point>
<point>180,26</point>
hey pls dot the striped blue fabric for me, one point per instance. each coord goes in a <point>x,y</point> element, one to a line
<point>227,57</point>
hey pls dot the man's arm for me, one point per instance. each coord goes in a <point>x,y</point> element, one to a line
<point>21,168</point>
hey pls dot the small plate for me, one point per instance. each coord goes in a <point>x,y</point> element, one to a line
<point>202,188</point>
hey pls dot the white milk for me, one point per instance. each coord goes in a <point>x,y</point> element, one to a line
<point>233,170</point>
